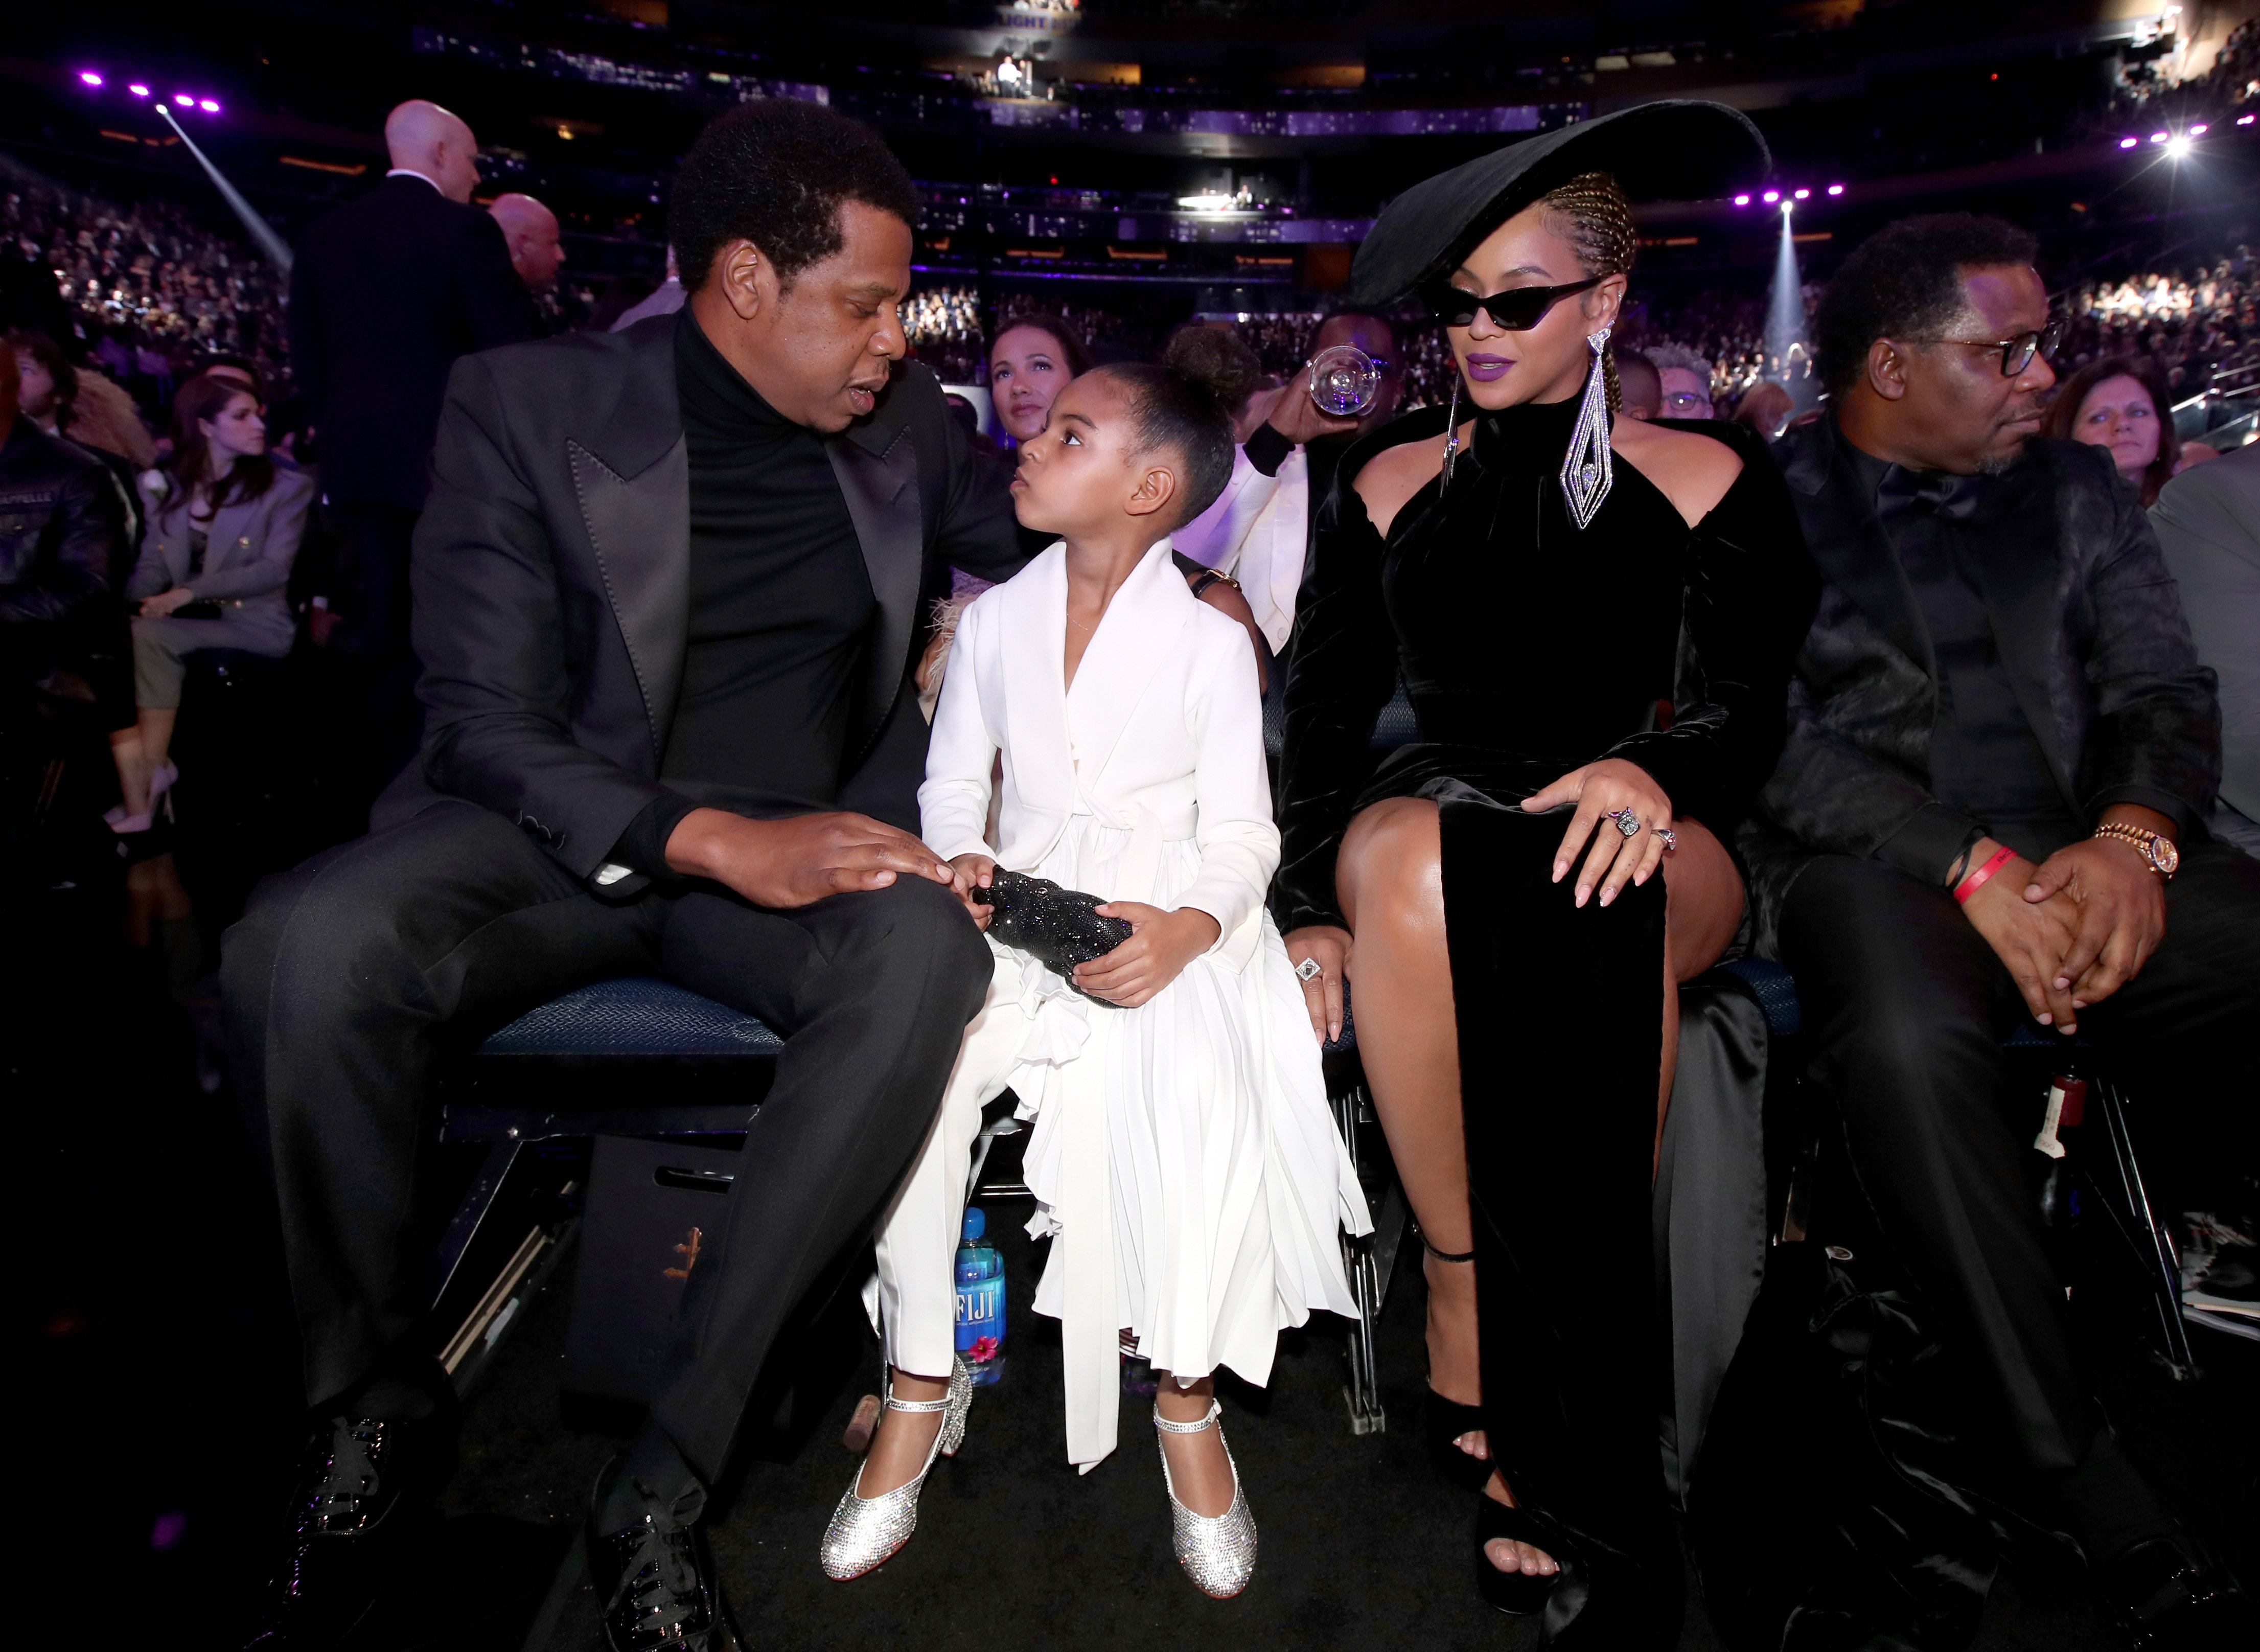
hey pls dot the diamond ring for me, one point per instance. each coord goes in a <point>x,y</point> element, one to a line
<point>1667,837</point>
<point>1628,822</point>
<point>1307,970</point>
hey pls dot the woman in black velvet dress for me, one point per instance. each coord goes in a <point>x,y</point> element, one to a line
<point>1597,703</point>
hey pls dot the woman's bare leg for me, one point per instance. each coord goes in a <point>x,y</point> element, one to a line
<point>1392,865</point>
<point>155,726</point>
<point>1199,1467</point>
<point>900,1447</point>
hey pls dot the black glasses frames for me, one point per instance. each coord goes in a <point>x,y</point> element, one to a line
<point>1518,310</point>
<point>2017,351</point>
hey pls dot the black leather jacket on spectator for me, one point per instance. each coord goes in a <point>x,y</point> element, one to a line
<point>64,557</point>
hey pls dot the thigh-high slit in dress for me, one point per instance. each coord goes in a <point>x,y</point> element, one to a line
<point>1529,647</point>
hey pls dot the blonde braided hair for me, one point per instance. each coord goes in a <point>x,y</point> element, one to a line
<point>1591,214</point>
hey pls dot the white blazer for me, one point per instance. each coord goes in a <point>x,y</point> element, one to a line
<point>1162,736</point>
<point>1259,531</point>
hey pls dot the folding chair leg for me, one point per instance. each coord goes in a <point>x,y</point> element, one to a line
<point>478,1200</point>
<point>2153,1241</point>
<point>1363,1394</point>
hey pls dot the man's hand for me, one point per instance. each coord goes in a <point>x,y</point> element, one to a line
<point>2029,937</point>
<point>164,602</point>
<point>2122,914</point>
<point>1159,947</point>
<point>797,861</point>
<point>1295,416</point>
<point>969,872</point>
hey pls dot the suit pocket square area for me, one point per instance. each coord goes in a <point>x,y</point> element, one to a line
<point>1058,928</point>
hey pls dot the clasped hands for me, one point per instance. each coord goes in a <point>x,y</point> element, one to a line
<point>165,602</point>
<point>2074,929</point>
<point>1160,945</point>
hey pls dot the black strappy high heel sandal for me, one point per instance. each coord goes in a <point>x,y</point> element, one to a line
<point>1443,1421</point>
<point>1522,1594</point>
<point>1600,1599</point>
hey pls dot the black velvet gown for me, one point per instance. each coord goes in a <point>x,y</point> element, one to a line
<point>1529,649</point>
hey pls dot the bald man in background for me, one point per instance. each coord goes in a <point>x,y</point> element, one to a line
<point>529,229</point>
<point>388,290</point>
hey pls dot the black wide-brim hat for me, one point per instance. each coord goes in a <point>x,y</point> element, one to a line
<point>1680,149</point>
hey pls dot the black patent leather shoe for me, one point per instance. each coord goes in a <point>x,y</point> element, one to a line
<point>2169,1596</point>
<point>365,1488</point>
<point>659,1593</point>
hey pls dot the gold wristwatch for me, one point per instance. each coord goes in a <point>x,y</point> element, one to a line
<point>2159,851</point>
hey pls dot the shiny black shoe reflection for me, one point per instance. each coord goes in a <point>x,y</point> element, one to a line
<point>659,1593</point>
<point>365,1487</point>
<point>2169,1596</point>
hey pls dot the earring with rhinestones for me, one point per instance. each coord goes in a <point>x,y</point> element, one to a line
<point>1451,430</point>
<point>1586,471</point>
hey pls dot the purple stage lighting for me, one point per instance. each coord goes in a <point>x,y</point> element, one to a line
<point>2244,120</point>
<point>1771,195</point>
<point>210,105</point>
<point>185,100</point>
<point>2157,137</point>
<point>138,89</point>
<point>2197,131</point>
<point>1741,200</point>
<point>86,76</point>
<point>2128,143</point>
<point>1805,194</point>
<point>1835,188</point>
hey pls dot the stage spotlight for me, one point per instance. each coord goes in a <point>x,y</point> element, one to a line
<point>2179,147</point>
<point>1805,194</point>
<point>139,89</point>
<point>1835,188</point>
<point>1771,195</point>
<point>2244,120</point>
<point>86,76</point>
<point>1741,200</point>
<point>2197,131</point>
<point>210,105</point>
<point>185,100</point>
<point>2158,137</point>
<point>2128,143</point>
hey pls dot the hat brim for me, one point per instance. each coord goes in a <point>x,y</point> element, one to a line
<point>1681,149</point>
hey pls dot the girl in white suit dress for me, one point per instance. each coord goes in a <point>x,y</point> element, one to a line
<point>1184,1160</point>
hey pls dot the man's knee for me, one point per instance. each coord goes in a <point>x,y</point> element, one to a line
<point>927,942</point>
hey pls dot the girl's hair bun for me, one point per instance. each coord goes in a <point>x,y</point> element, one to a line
<point>1218,360</point>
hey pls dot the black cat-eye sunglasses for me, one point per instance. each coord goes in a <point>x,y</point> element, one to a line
<point>1518,310</point>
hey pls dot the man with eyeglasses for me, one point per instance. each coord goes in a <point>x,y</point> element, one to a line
<point>1987,812</point>
<point>1685,380</point>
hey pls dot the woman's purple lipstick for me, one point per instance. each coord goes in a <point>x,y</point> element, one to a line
<point>1484,368</point>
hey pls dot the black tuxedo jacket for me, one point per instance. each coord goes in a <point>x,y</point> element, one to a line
<point>552,581</point>
<point>385,293</point>
<point>2089,624</point>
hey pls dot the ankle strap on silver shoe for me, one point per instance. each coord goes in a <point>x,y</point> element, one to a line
<point>918,1404</point>
<point>1215,1410</point>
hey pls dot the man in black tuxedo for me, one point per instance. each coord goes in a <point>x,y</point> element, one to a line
<point>669,596</point>
<point>387,291</point>
<point>2001,747</point>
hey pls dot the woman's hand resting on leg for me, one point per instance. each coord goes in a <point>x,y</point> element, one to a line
<point>1600,790</point>
<point>1322,993</point>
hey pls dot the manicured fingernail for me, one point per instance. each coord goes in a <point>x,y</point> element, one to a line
<point>1583,890</point>
<point>1607,895</point>
<point>2062,982</point>
<point>2070,1027</point>
<point>2046,1019</point>
<point>1560,866</point>
<point>2032,891</point>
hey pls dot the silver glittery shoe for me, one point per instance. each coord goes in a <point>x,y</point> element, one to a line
<point>866,1531</point>
<point>1217,1551</point>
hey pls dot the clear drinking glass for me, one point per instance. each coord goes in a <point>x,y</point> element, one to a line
<point>1344,381</point>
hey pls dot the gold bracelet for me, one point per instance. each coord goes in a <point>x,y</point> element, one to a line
<point>2157,849</point>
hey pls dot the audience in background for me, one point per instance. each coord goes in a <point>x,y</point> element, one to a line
<point>2208,525</point>
<point>1683,380</point>
<point>388,290</point>
<point>1031,360</point>
<point>2118,404</point>
<point>529,229</point>
<point>1641,386</point>
<point>1766,407</point>
<point>224,524</point>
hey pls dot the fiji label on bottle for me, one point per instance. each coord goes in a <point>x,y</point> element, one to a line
<point>981,1318</point>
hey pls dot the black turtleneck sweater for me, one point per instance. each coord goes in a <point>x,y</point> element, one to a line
<point>781,606</point>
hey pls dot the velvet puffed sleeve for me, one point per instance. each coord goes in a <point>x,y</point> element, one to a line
<point>1751,593</point>
<point>1342,667</point>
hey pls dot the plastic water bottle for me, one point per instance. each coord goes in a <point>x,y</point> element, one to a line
<point>980,1302</point>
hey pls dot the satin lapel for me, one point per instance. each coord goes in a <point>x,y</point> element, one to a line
<point>1133,638</point>
<point>882,492</point>
<point>2014,550</point>
<point>1850,546</point>
<point>1032,646</point>
<point>640,529</point>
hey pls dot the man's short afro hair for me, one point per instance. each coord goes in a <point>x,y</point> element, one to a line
<point>776,173</point>
<point>1904,282</point>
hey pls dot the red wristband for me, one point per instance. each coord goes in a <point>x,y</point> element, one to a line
<point>1976,881</point>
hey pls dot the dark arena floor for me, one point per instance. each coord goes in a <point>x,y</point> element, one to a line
<point>160,1423</point>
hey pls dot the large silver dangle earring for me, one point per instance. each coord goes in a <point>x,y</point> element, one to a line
<point>1586,471</point>
<point>1451,430</point>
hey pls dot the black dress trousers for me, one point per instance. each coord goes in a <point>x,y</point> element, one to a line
<point>1905,1006</point>
<point>350,978</point>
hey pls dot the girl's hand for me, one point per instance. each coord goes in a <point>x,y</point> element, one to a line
<point>1322,993</point>
<point>1159,947</point>
<point>1597,789</point>
<point>968,873</point>
<point>158,606</point>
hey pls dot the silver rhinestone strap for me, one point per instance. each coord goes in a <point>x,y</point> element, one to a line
<point>1215,1410</point>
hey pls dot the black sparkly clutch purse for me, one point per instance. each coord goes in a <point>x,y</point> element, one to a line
<point>1058,928</point>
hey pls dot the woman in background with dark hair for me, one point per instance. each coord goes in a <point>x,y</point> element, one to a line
<point>1031,360</point>
<point>224,526</point>
<point>1594,618</point>
<point>2119,402</point>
